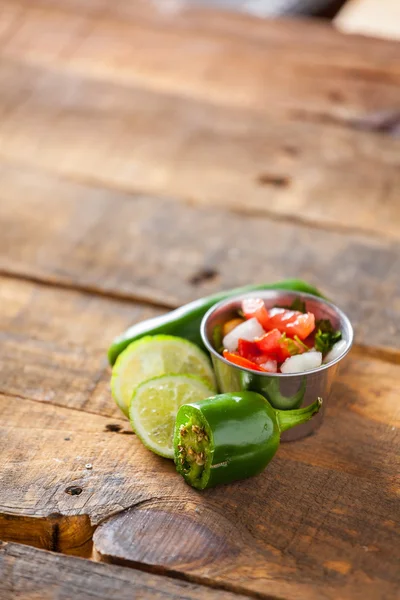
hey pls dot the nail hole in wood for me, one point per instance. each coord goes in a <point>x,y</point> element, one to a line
<point>73,490</point>
<point>279,181</point>
<point>290,150</point>
<point>336,97</point>
<point>113,427</point>
<point>203,276</point>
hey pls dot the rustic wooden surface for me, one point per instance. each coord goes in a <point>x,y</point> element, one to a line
<point>37,575</point>
<point>148,157</point>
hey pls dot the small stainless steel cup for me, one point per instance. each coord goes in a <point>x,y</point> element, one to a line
<point>284,391</point>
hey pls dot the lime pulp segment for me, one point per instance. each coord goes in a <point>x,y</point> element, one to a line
<point>155,404</point>
<point>153,356</point>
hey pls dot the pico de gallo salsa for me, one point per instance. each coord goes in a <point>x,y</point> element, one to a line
<point>282,339</point>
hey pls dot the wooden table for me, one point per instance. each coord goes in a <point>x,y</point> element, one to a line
<point>148,157</point>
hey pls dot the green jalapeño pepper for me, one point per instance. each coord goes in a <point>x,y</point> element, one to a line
<point>185,321</point>
<point>230,436</point>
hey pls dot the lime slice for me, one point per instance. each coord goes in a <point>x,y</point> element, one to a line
<point>152,356</point>
<point>155,404</point>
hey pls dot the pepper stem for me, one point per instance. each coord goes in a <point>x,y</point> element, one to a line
<point>290,418</point>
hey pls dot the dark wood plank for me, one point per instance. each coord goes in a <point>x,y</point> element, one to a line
<point>35,574</point>
<point>157,249</point>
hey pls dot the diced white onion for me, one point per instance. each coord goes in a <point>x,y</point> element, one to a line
<point>336,350</point>
<point>270,365</point>
<point>302,362</point>
<point>248,330</point>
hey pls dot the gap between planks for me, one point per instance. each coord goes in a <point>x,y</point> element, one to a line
<point>197,579</point>
<point>73,565</point>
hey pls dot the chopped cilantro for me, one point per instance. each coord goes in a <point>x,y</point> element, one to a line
<point>326,336</point>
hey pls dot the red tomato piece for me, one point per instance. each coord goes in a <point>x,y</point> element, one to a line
<point>255,307</point>
<point>269,343</point>
<point>241,362</point>
<point>273,345</point>
<point>310,340</point>
<point>276,346</point>
<point>302,326</point>
<point>248,350</point>
<point>251,351</point>
<point>290,322</point>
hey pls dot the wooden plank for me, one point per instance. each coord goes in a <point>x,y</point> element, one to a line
<point>371,17</point>
<point>324,508</point>
<point>217,30</point>
<point>45,450</point>
<point>32,574</point>
<point>137,140</point>
<point>327,531</point>
<point>53,344</point>
<point>233,68</point>
<point>299,531</point>
<point>164,251</point>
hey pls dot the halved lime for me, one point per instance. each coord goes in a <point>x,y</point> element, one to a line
<point>155,404</point>
<point>152,356</point>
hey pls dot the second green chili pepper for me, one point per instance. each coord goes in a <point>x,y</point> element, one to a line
<point>185,321</point>
<point>230,436</point>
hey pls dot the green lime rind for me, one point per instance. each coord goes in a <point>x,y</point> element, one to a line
<point>155,404</point>
<point>153,356</point>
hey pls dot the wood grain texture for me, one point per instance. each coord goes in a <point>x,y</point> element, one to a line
<point>146,248</point>
<point>38,575</point>
<point>325,508</point>
<point>215,32</point>
<point>53,344</point>
<point>321,522</point>
<point>143,148</point>
<point>124,117</point>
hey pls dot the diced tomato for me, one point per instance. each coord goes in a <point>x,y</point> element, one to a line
<point>241,362</point>
<point>248,350</point>
<point>302,326</point>
<point>255,307</point>
<point>276,346</point>
<point>290,322</point>
<point>310,340</point>
<point>273,346</point>
<point>251,351</point>
<point>269,343</point>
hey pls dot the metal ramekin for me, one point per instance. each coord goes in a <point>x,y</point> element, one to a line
<point>284,391</point>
